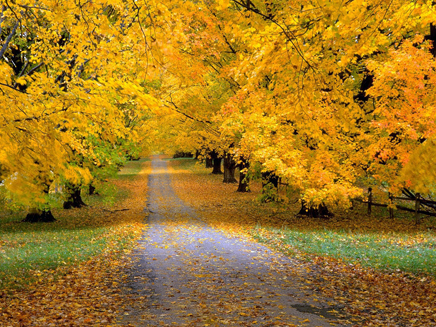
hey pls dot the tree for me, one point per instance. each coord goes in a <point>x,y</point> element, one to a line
<point>60,84</point>
<point>306,90</point>
<point>308,111</point>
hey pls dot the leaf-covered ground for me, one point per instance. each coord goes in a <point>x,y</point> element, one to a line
<point>85,291</point>
<point>190,274</point>
<point>72,283</point>
<point>374,293</point>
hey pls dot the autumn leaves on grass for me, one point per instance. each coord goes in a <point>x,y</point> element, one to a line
<point>66,273</point>
<point>382,270</point>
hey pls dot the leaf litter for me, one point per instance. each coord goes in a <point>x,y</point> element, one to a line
<point>371,297</point>
<point>188,273</point>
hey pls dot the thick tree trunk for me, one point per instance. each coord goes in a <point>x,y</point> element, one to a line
<point>320,212</point>
<point>243,178</point>
<point>433,39</point>
<point>270,183</point>
<point>229,169</point>
<point>216,164</point>
<point>39,216</point>
<point>75,199</point>
<point>209,162</point>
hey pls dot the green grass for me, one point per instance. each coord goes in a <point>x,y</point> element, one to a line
<point>131,169</point>
<point>377,241</point>
<point>414,252</point>
<point>27,250</point>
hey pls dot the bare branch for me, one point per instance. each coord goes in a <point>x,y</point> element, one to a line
<point>8,40</point>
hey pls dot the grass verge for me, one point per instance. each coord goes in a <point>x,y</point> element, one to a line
<point>28,251</point>
<point>377,241</point>
<point>68,273</point>
<point>381,270</point>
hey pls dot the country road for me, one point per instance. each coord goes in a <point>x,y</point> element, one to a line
<point>189,274</point>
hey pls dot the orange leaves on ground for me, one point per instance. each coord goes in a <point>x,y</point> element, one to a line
<point>379,299</point>
<point>371,297</point>
<point>86,294</point>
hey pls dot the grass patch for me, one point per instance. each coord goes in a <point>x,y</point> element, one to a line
<point>414,252</point>
<point>28,250</point>
<point>352,236</point>
<point>131,169</point>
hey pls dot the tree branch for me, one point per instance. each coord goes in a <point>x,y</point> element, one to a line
<point>8,40</point>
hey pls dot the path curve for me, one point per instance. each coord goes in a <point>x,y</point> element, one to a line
<point>189,274</point>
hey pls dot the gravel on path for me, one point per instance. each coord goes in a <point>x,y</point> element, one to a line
<point>189,274</point>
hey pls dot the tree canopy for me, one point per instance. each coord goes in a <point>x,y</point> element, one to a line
<point>328,95</point>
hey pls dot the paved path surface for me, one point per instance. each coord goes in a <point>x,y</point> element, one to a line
<point>188,274</point>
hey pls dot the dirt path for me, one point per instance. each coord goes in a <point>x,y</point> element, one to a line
<point>188,274</point>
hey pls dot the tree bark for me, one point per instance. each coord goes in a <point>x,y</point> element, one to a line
<point>243,177</point>
<point>432,37</point>
<point>74,197</point>
<point>320,212</point>
<point>216,164</point>
<point>229,169</point>
<point>217,167</point>
<point>39,216</point>
<point>91,190</point>
<point>209,162</point>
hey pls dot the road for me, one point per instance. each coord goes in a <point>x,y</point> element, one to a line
<point>189,274</point>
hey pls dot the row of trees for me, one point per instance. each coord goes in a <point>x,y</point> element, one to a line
<point>70,115</point>
<point>328,95</point>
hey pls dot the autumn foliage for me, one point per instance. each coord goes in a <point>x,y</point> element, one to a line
<point>329,96</point>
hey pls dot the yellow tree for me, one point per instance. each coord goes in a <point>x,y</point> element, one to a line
<point>62,80</point>
<point>311,96</point>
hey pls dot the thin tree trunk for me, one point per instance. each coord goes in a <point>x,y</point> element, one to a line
<point>243,177</point>
<point>229,169</point>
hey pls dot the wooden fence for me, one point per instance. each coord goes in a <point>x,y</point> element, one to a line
<point>419,201</point>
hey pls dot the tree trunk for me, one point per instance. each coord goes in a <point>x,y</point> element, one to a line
<point>216,164</point>
<point>217,167</point>
<point>320,212</point>
<point>243,178</point>
<point>74,197</point>
<point>39,216</point>
<point>433,39</point>
<point>91,190</point>
<point>209,162</point>
<point>229,169</point>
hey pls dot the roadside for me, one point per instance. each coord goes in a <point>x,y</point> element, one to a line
<point>189,274</point>
<point>373,296</point>
<point>67,273</point>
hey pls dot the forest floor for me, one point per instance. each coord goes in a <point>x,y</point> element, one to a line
<point>80,270</point>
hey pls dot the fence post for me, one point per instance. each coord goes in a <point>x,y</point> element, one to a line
<point>417,205</point>
<point>391,202</point>
<point>369,200</point>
